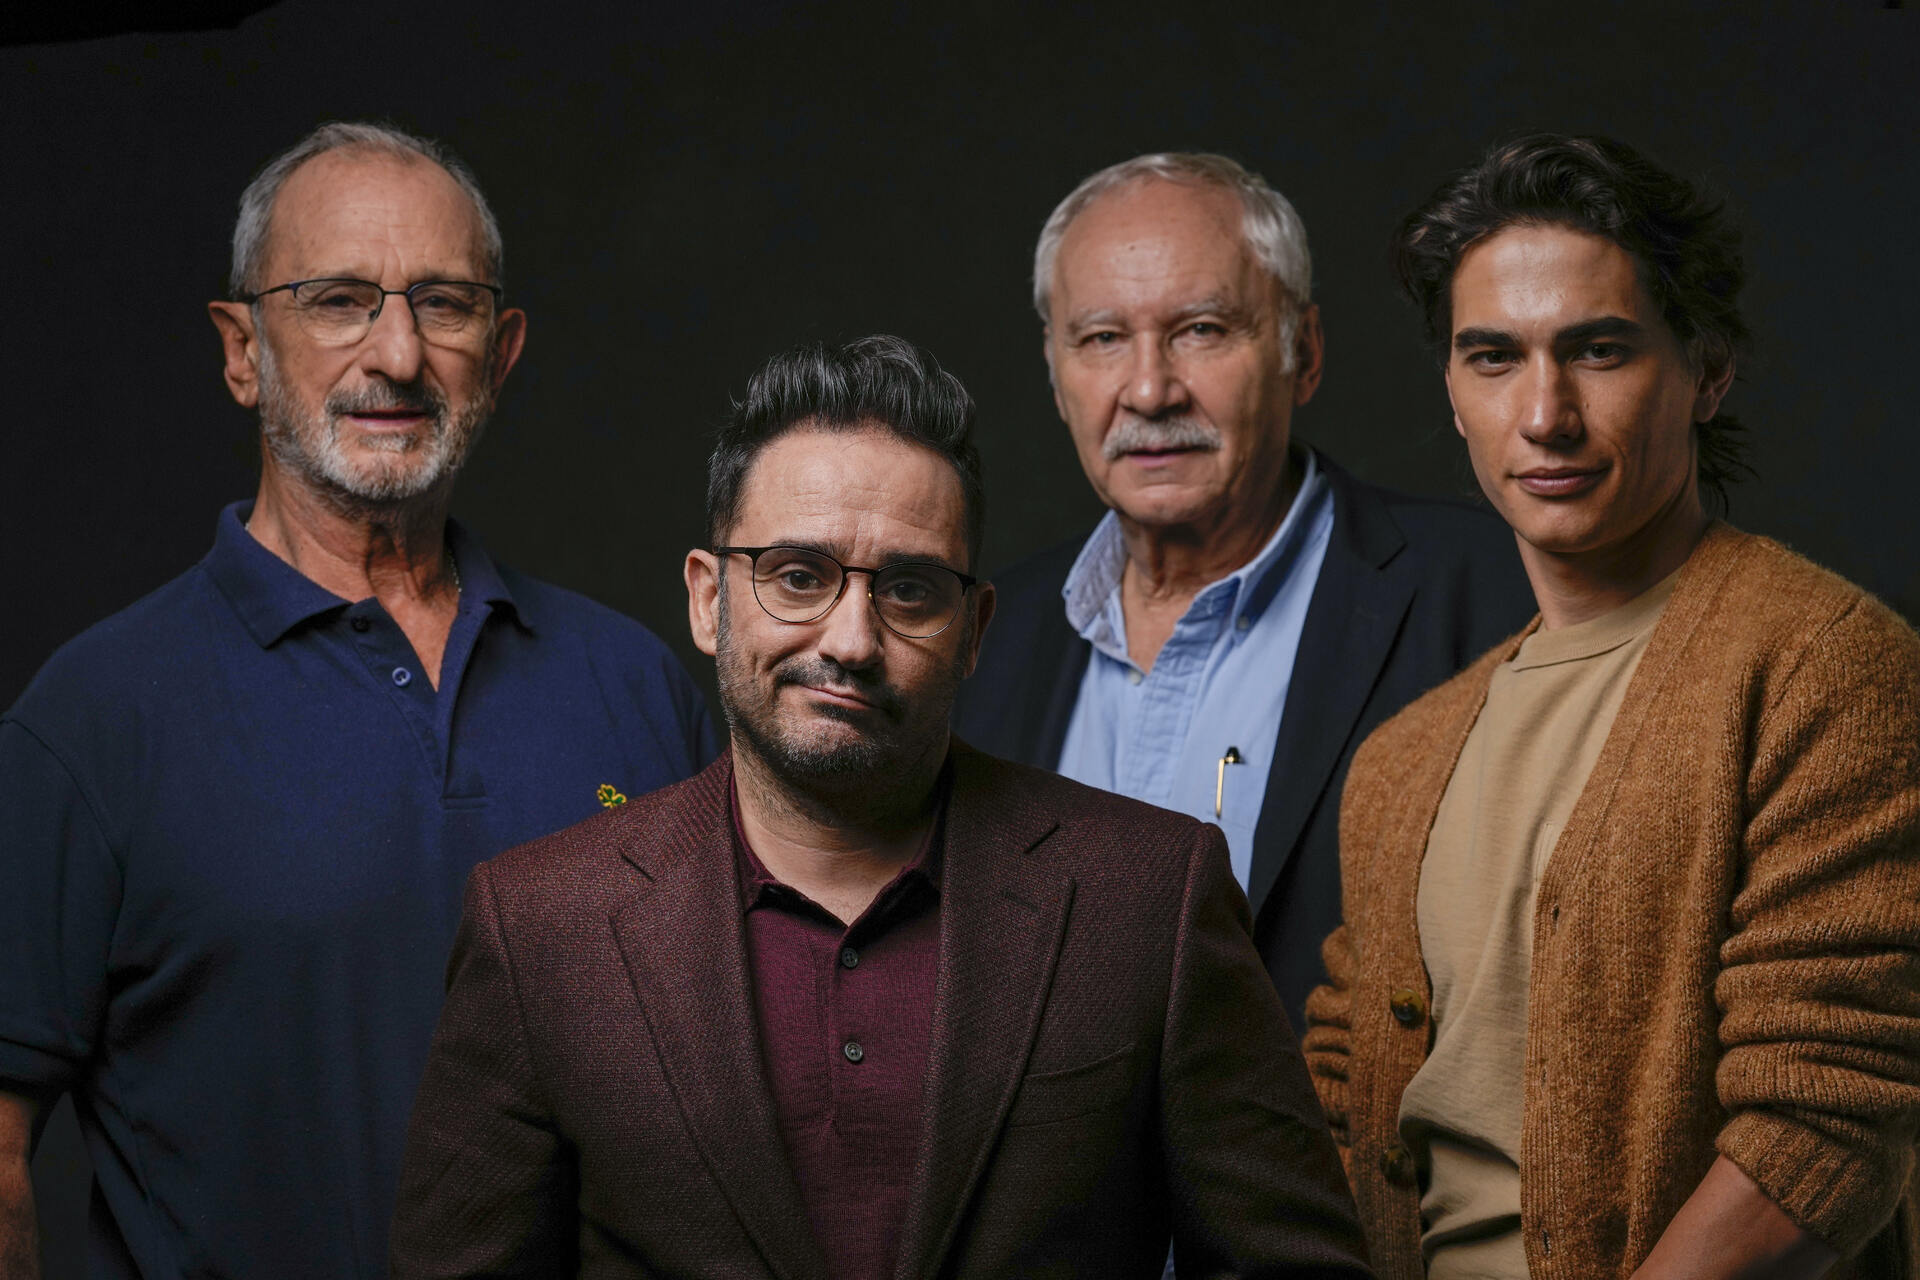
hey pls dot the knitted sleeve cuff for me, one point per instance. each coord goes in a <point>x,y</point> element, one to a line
<point>1838,1192</point>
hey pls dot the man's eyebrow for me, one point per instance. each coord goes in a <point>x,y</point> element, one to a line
<point>1467,339</point>
<point>1215,305</point>
<point>1572,336</point>
<point>808,544</point>
<point>887,559</point>
<point>1602,327</point>
<point>1087,319</point>
<point>910,558</point>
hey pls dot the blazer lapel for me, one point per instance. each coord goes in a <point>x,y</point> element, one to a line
<point>1050,710</point>
<point>1351,622</point>
<point>681,938</point>
<point>1003,913</point>
<point>1018,703</point>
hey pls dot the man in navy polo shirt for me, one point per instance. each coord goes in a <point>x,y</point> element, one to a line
<point>238,815</point>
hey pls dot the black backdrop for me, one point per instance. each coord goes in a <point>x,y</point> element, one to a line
<point>685,189</point>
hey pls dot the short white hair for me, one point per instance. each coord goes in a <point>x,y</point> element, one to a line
<point>256,202</point>
<point>1272,227</point>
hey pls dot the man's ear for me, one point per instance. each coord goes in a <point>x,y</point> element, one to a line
<point>509,337</point>
<point>702,573</point>
<point>983,605</point>
<point>1446,376</point>
<point>1053,376</point>
<point>240,344</point>
<point>1309,354</point>
<point>1712,389</point>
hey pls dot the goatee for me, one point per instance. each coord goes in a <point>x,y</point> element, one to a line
<point>309,443</point>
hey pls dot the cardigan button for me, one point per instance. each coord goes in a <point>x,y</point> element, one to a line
<point>1408,1006</point>
<point>1396,1164</point>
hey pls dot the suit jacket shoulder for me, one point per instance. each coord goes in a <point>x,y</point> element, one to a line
<point>1461,554</point>
<point>1019,788</point>
<point>612,854</point>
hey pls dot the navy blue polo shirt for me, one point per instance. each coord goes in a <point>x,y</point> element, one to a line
<point>235,822</point>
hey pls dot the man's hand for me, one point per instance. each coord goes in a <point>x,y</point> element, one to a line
<point>1729,1230</point>
<point>19,1236</point>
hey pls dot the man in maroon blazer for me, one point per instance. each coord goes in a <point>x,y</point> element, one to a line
<point>859,1001</point>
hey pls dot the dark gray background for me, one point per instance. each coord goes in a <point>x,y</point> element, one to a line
<point>685,189</point>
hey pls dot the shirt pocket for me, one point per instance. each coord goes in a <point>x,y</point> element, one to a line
<point>1048,1096</point>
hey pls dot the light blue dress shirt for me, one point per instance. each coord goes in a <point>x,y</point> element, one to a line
<point>1220,681</point>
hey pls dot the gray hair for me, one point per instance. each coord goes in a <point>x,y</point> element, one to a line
<point>1271,226</point>
<point>256,202</point>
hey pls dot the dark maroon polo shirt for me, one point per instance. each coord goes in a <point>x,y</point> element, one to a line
<point>844,1013</point>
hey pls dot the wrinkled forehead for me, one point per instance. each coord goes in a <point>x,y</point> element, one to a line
<point>352,210</point>
<point>1152,236</point>
<point>854,491</point>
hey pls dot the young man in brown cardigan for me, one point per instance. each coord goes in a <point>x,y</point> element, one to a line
<point>1629,979</point>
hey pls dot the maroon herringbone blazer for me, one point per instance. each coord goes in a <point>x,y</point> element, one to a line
<point>1108,1066</point>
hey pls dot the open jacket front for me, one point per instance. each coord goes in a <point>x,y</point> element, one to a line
<point>1108,1063</point>
<point>1726,937</point>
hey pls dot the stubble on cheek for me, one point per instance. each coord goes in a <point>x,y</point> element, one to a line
<point>309,442</point>
<point>821,744</point>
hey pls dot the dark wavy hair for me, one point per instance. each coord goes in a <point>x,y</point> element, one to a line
<point>880,380</point>
<point>1686,245</point>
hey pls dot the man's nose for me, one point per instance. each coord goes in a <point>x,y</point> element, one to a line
<point>392,346</point>
<point>1153,385</point>
<point>1550,411</point>
<point>852,634</point>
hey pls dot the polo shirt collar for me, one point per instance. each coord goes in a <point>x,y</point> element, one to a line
<point>755,881</point>
<point>480,579</point>
<point>271,597</point>
<point>1092,587</point>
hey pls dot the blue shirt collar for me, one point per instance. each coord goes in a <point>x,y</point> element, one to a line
<point>1092,588</point>
<point>272,597</point>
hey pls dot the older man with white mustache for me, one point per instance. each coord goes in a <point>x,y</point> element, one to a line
<point>1247,611</point>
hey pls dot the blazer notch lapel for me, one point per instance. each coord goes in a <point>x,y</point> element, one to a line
<point>1004,911</point>
<point>681,937</point>
<point>1351,623</point>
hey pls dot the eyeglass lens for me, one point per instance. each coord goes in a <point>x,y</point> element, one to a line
<point>343,311</point>
<point>915,600</point>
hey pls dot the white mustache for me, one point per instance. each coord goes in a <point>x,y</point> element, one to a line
<point>1135,434</point>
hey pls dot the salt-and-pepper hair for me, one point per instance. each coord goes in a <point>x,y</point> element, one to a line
<point>1271,226</point>
<point>256,202</point>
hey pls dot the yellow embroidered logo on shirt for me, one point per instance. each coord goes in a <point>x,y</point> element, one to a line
<point>609,795</point>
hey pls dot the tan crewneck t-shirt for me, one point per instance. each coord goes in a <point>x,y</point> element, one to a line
<point>1526,759</point>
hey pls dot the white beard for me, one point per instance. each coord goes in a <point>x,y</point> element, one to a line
<point>309,444</point>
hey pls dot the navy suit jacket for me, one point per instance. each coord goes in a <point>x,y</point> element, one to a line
<point>1412,589</point>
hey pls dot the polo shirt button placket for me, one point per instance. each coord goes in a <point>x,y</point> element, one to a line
<point>849,958</point>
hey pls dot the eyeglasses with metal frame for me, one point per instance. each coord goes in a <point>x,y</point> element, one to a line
<point>916,599</point>
<point>341,311</point>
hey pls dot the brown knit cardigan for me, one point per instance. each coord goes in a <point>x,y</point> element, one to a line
<point>1726,941</point>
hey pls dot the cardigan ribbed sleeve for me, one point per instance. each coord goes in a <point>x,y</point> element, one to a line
<point>1819,985</point>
